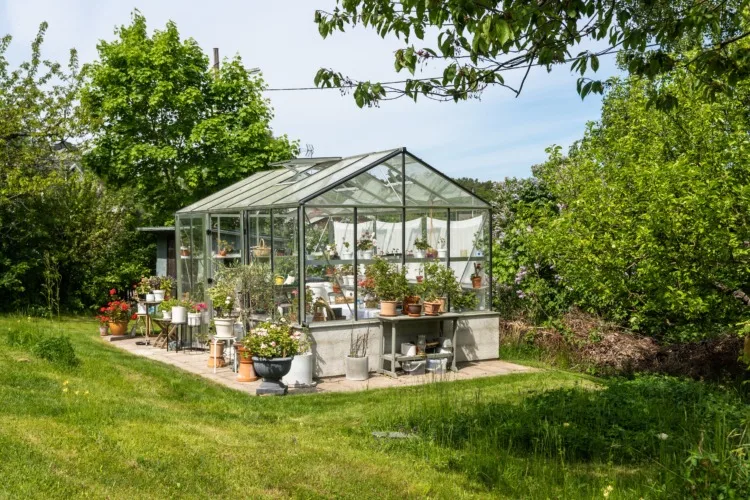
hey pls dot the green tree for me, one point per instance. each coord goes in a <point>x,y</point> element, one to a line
<point>654,222</point>
<point>167,124</point>
<point>477,43</point>
<point>64,237</point>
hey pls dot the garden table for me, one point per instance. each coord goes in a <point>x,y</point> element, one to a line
<point>168,330</point>
<point>402,320</point>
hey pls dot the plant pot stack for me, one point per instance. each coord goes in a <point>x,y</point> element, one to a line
<point>216,355</point>
<point>246,372</point>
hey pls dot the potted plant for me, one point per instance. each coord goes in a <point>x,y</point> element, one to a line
<point>443,283</point>
<point>476,277</point>
<point>301,372</point>
<point>166,285</point>
<point>366,245</point>
<point>412,305</point>
<point>442,252</point>
<point>222,295</point>
<point>157,292</point>
<point>356,362</point>
<point>103,324</point>
<point>389,284</point>
<point>347,252</point>
<point>166,308</point>
<point>420,247</point>
<point>117,315</point>
<point>467,301</point>
<point>196,313</point>
<point>273,345</point>
<point>184,251</point>
<point>347,275</point>
<point>179,311</point>
<point>224,247</point>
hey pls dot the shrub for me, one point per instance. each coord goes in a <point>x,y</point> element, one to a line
<point>57,349</point>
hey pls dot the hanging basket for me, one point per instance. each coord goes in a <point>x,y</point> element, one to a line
<point>262,250</point>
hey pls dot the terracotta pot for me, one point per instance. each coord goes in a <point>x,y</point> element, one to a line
<point>443,304</point>
<point>216,350</point>
<point>222,253</point>
<point>476,282</point>
<point>414,310</point>
<point>431,253</point>
<point>247,368</point>
<point>432,308</point>
<point>119,328</point>
<point>336,288</point>
<point>184,252</point>
<point>388,307</point>
<point>419,279</point>
<point>410,299</point>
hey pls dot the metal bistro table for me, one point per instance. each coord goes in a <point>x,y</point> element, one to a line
<point>393,357</point>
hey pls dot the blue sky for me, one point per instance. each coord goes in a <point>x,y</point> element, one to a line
<point>496,137</point>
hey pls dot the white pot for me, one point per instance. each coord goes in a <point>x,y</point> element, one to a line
<point>167,315</point>
<point>150,297</point>
<point>357,368</point>
<point>419,254</point>
<point>194,319</point>
<point>179,314</point>
<point>366,254</point>
<point>301,373</point>
<point>224,327</point>
<point>442,253</point>
<point>346,255</point>
<point>142,308</point>
<point>349,280</point>
<point>158,295</point>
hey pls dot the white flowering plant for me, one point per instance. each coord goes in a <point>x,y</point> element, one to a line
<point>273,339</point>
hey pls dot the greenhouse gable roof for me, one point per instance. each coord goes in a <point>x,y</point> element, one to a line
<point>372,179</point>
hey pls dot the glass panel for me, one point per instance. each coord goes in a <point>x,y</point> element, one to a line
<point>285,263</point>
<point>383,229</point>
<point>329,265</point>
<point>226,241</point>
<point>381,185</point>
<point>426,238</point>
<point>426,187</point>
<point>192,257</point>
<point>469,244</point>
<point>259,236</point>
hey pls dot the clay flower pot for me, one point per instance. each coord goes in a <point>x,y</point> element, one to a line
<point>119,328</point>
<point>476,281</point>
<point>247,368</point>
<point>410,299</point>
<point>443,304</point>
<point>414,310</point>
<point>432,308</point>
<point>388,307</point>
<point>103,330</point>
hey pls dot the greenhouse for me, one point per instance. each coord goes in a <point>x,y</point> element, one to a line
<point>314,221</point>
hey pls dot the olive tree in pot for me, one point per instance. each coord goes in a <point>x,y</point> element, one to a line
<point>222,295</point>
<point>389,283</point>
<point>356,362</point>
<point>441,283</point>
<point>273,345</point>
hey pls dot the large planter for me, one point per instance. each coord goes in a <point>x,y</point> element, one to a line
<point>432,308</point>
<point>388,307</point>
<point>272,370</point>
<point>179,314</point>
<point>194,319</point>
<point>216,355</point>
<point>119,328</point>
<point>158,295</point>
<point>246,372</point>
<point>357,368</point>
<point>224,327</point>
<point>301,372</point>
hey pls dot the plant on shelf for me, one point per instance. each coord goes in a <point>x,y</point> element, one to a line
<point>366,244</point>
<point>476,277</point>
<point>167,305</point>
<point>166,284</point>
<point>389,284</point>
<point>143,287</point>
<point>155,283</point>
<point>443,280</point>
<point>346,250</point>
<point>331,253</point>
<point>411,305</point>
<point>467,301</point>
<point>286,267</point>
<point>225,247</point>
<point>223,292</point>
<point>421,244</point>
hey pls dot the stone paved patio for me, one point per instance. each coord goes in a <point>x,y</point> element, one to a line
<point>197,362</point>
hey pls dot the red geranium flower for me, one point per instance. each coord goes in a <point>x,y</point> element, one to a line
<point>113,291</point>
<point>102,309</point>
<point>124,306</point>
<point>134,316</point>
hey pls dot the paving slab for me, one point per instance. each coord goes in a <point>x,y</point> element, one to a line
<point>196,362</point>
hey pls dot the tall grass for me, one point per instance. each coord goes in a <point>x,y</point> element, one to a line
<point>640,431</point>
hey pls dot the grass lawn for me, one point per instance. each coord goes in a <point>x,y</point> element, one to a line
<point>120,426</point>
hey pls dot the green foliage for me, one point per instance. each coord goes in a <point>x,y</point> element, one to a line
<point>163,119</point>
<point>724,473</point>
<point>64,238</point>
<point>389,283</point>
<point>467,301</point>
<point>57,349</point>
<point>479,42</point>
<point>223,292</point>
<point>654,219</point>
<point>439,281</point>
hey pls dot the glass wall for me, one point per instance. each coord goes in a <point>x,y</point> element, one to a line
<point>225,241</point>
<point>191,270</point>
<point>284,262</point>
<point>469,256</point>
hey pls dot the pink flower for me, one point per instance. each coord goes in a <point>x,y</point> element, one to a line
<point>113,291</point>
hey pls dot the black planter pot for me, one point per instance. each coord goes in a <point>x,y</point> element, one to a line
<point>272,369</point>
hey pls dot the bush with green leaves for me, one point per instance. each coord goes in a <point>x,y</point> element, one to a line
<point>439,281</point>
<point>389,282</point>
<point>57,349</point>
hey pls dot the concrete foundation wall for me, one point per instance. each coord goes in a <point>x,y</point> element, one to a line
<point>478,338</point>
